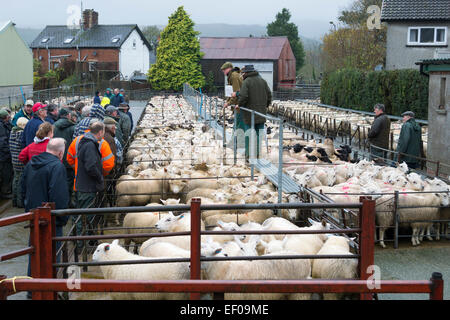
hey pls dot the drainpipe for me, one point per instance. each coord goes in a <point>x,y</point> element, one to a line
<point>48,52</point>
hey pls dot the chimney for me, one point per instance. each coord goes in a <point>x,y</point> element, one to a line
<point>90,18</point>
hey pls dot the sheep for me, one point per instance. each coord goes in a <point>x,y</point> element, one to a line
<point>180,223</point>
<point>258,216</point>
<point>334,268</point>
<point>140,192</point>
<point>258,270</point>
<point>307,244</point>
<point>144,220</point>
<point>407,216</point>
<point>151,271</point>
<point>164,249</point>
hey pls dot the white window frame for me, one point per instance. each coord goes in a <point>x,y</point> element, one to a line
<point>435,43</point>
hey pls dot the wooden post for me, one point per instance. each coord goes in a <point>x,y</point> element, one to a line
<point>437,287</point>
<point>3,291</point>
<point>366,240</point>
<point>195,243</point>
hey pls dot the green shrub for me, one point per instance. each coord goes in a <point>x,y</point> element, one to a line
<point>398,90</point>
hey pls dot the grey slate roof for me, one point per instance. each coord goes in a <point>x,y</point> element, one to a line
<point>417,10</point>
<point>99,36</point>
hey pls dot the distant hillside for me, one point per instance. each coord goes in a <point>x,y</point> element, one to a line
<point>236,30</point>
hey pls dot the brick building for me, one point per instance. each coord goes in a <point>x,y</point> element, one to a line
<point>119,48</point>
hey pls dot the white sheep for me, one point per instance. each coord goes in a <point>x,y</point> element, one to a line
<point>151,271</point>
<point>144,220</point>
<point>307,244</point>
<point>334,268</point>
<point>258,270</point>
<point>180,223</point>
<point>164,249</point>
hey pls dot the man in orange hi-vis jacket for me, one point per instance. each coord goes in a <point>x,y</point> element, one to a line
<point>92,159</point>
<point>107,157</point>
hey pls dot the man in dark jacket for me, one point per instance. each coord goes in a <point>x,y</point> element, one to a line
<point>117,98</point>
<point>255,94</point>
<point>40,113</point>
<point>89,179</point>
<point>410,141</point>
<point>125,124</point>
<point>64,128</point>
<point>113,113</point>
<point>26,112</point>
<point>379,132</point>
<point>6,169</point>
<point>43,180</point>
<point>52,113</point>
<point>97,99</point>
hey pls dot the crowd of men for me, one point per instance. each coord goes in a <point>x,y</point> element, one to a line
<point>86,140</point>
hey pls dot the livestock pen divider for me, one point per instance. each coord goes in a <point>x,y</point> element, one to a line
<point>43,260</point>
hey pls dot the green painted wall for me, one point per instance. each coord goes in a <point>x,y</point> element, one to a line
<point>16,59</point>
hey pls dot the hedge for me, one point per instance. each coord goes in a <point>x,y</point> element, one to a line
<point>398,90</point>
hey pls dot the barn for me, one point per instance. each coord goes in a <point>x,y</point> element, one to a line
<point>122,49</point>
<point>271,56</point>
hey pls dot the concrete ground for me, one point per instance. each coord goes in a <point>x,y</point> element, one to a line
<point>414,263</point>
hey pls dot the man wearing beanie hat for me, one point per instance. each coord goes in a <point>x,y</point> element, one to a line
<point>26,111</point>
<point>15,139</point>
<point>6,170</point>
<point>97,112</point>
<point>410,141</point>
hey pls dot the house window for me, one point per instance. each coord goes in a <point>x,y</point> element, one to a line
<point>45,40</point>
<point>427,36</point>
<point>115,39</point>
<point>134,44</point>
<point>68,40</point>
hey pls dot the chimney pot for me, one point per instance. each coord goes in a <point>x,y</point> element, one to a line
<point>90,18</point>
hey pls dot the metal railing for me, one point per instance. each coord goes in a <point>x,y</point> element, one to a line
<point>43,260</point>
<point>63,95</point>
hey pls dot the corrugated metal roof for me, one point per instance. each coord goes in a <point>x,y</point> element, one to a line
<point>434,61</point>
<point>431,10</point>
<point>267,48</point>
<point>99,36</point>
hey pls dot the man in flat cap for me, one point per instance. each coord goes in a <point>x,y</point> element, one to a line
<point>255,95</point>
<point>410,141</point>
<point>234,79</point>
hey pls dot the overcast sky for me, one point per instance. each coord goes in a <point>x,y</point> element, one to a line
<point>311,16</point>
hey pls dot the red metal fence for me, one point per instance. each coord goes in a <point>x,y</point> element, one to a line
<point>43,260</point>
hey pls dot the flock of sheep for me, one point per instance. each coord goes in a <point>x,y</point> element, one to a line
<point>173,159</point>
<point>314,118</point>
